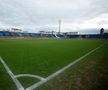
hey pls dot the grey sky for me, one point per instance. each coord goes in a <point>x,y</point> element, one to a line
<point>34,15</point>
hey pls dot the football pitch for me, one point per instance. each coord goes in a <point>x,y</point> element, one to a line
<point>29,63</point>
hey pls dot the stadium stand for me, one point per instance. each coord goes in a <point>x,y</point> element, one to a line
<point>1,34</point>
<point>36,35</point>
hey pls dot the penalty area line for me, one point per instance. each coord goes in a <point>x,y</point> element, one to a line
<point>36,85</point>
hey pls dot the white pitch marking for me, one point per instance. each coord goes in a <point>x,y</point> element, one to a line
<point>29,75</point>
<point>15,80</point>
<point>34,86</point>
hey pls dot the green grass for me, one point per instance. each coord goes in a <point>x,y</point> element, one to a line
<point>43,56</point>
<point>6,82</point>
<point>27,81</point>
<point>91,73</point>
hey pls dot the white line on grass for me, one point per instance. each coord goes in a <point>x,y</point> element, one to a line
<point>34,86</point>
<point>29,75</point>
<point>15,80</point>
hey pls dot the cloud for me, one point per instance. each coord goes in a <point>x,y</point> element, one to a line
<point>96,22</point>
<point>44,14</point>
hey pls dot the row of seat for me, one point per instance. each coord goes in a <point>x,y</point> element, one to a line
<point>22,34</point>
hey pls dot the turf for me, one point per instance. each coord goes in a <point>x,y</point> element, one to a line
<point>43,57</point>
<point>27,81</point>
<point>91,73</point>
<point>6,82</point>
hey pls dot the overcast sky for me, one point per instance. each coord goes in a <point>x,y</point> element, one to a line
<point>35,15</point>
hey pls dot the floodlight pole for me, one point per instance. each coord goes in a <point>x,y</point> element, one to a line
<point>59,26</point>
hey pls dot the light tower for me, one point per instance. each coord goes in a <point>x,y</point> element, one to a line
<point>59,26</point>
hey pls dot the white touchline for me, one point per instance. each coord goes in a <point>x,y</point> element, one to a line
<point>15,80</point>
<point>29,75</point>
<point>34,86</point>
